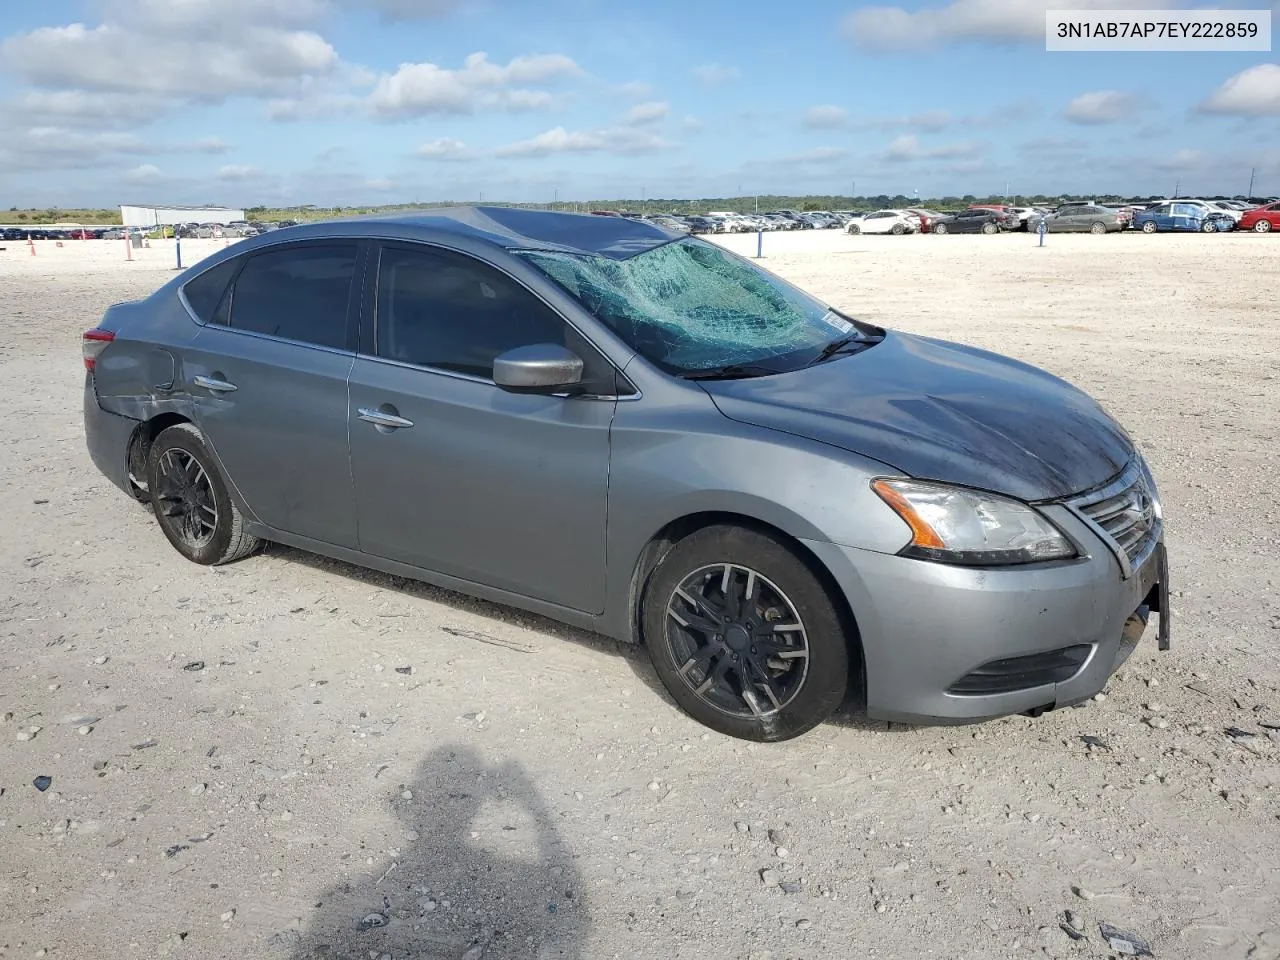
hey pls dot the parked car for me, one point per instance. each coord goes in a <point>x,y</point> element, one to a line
<point>604,422</point>
<point>1082,219</point>
<point>1179,215</point>
<point>896,222</point>
<point>974,220</point>
<point>1261,219</point>
<point>927,218</point>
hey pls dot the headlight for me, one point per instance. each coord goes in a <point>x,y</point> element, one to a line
<point>960,526</point>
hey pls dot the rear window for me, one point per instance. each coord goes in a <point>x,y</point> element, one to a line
<point>300,293</point>
<point>204,292</point>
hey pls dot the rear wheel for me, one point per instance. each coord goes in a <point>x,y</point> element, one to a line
<point>854,228</point>
<point>190,499</point>
<point>1098,228</point>
<point>989,228</point>
<point>939,228</point>
<point>898,230</point>
<point>1208,227</point>
<point>1262,226</point>
<point>1149,227</point>
<point>744,636</point>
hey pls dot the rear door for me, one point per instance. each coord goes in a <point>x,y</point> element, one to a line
<point>469,480</point>
<point>268,375</point>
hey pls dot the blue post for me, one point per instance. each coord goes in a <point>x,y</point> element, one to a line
<point>177,244</point>
<point>1041,230</point>
<point>759,243</point>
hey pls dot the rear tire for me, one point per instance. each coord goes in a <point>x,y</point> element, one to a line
<point>989,228</point>
<point>1208,227</point>
<point>1262,226</point>
<point>854,229</point>
<point>1098,228</point>
<point>744,635</point>
<point>898,230</point>
<point>940,228</point>
<point>1149,227</point>
<point>190,499</point>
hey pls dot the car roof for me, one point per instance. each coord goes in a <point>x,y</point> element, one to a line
<point>508,228</point>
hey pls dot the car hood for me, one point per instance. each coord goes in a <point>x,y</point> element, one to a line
<point>942,411</point>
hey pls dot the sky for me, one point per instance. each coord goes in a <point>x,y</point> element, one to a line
<point>357,102</point>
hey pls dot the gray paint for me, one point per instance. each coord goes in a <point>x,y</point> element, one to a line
<point>549,502</point>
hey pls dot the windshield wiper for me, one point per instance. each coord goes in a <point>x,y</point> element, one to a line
<point>835,347</point>
<point>731,371</point>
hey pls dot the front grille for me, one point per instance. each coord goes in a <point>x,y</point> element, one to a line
<point>1022,673</point>
<point>1126,514</point>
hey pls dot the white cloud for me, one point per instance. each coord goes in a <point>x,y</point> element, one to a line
<point>825,117</point>
<point>997,21</point>
<point>1251,93</point>
<point>146,173</point>
<point>417,89</point>
<point>650,111</point>
<point>235,171</point>
<point>907,149</point>
<point>412,9</point>
<point>444,148</point>
<point>636,90</point>
<point>195,66</point>
<point>615,140</point>
<point>715,74</point>
<point>1103,106</point>
<point>928,120</point>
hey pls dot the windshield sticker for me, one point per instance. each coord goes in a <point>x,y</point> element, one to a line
<point>835,320</point>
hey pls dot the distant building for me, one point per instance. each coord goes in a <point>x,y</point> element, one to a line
<point>142,216</point>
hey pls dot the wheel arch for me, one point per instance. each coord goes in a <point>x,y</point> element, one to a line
<point>140,441</point>
<point>660,544</point>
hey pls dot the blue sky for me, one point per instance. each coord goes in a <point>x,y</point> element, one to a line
<point>328,102</point>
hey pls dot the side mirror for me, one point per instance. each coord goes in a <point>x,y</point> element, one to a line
<point>538,368</point>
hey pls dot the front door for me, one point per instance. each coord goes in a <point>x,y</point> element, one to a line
<point>454,474</point>
<point>268,375</point>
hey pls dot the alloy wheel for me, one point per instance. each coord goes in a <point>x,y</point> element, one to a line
<point>741,646</point>
<point>186,497</point>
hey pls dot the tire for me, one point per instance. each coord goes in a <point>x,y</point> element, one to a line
<point>786,694</point>
<point>1208,227</point>
<point>190,500</point>
<point>1149,227</point>
<point>989,228</point>
<point>898,230</point>
<point>1262,226</point>
<point>854,229</point>
<point>1098,228</point>
<point>940,228</point>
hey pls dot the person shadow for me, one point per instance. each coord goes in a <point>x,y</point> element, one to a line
<point>485,875</point>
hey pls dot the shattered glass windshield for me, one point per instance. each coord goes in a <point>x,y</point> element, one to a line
<point>690,306</point>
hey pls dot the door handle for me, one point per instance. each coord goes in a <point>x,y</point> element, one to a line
<point>381,419</point>
<point>217,386</point>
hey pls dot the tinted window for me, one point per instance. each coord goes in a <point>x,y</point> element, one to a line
<point>300,293</point>
<point>454,313</point>
<point>205,291</point>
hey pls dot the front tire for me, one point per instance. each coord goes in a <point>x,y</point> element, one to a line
<point>190,499</point>
<point>744,635</point>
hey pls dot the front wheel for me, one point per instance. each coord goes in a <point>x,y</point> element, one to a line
<point>1262,226</point>
<point>744,636</point>
<point>190,499</point>
<point>939,228</point>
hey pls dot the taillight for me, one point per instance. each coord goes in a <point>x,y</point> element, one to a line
<point>93,343</point>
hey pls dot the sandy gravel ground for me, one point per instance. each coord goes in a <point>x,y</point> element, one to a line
<point>249,761</point>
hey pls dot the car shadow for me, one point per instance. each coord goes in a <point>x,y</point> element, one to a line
<point>484,874</point>
<point>851,713</point>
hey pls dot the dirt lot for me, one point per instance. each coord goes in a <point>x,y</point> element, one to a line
<point>248,761</point>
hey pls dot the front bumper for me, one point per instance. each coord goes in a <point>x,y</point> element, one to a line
<point>926,627</point>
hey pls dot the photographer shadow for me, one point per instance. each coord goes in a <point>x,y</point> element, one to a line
<point>484,875</point>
